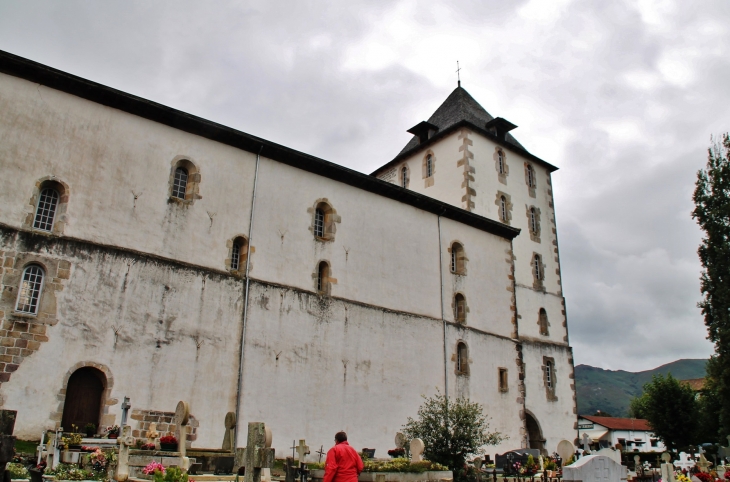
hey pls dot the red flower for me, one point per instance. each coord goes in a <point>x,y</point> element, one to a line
<point>168,439</point>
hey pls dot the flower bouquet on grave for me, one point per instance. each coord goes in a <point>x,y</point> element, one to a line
<point>168,443</point>
<point>113,431</point>
<point>397,452</point>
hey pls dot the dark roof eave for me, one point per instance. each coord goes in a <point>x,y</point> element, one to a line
<point>56,79</point>
<point>452,128</point>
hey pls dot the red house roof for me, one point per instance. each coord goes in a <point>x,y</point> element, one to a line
<point>616,423</point>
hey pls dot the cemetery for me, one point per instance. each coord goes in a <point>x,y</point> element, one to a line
<point>170,457</point>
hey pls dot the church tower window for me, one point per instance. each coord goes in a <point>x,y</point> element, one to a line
<point>319,222</point>
<point>324,218</point>
<point>458,259</point>
<point>530,176</point>
<point>31,286</point>
<point>533,221</point>
<point>462,359</point>
<point>459,308</point>
<point>538,272</point>
<point>238,255</point>
<point>500,162</point>
<point>429,166</point>
<point>503,209</point>
<point>184,181</point>
<point>46,210</point>
<point>542,321</point>
<point>404,177</point>
<point>549,378</point>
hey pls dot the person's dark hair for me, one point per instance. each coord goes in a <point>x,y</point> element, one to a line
<point>340,437</point>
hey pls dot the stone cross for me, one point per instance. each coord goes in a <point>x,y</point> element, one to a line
<point>182,416</point>
<point>667,470</point>
<point>703,464</point>
<point>230,423</point>
<point>417,448</point>
<point>258,453</point>
<point>684,462</point>
<point>302,451</point>
<point>125,441</point>
<point>152,434</point>
<point>125,409</point>
<point>587,443</point>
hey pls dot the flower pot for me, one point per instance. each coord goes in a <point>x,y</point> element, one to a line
<point>113,435</point>
<point>35,475</point>
<point>370,453</point>
<point>168,447</point>
<point>550,473</point>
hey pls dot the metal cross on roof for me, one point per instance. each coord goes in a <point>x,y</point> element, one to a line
<point>458,75</point>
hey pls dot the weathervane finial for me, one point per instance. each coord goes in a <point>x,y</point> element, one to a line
<point>458,74</point>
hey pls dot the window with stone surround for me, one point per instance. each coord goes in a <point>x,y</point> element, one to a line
<point>549,377</point>
<point>538,271</point>
<point>184,181</point>
<point>237,255</point>
<point>458,259</point>
<point>459,308</point>
<point>404,177</point>
<point>323,279</point>
<point>530,179</point>
<point>429,168</point>
<point>47,207</point>
<point>324,218</point>
<point>500,164</point>
<point>462,359</point>
<point>30,290</point>
<point>542,321</point>
<point>533,223</point>
<point>503,380</point>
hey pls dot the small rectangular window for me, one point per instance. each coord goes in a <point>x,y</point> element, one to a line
<point>319,223</point>
<point>503,384</point>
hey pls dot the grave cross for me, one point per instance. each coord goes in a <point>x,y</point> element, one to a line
<point>182,416</point>
<point>703,464</point>
<point>293,448</point>
<point>320,452</point>
<point>302,450</point>
<point>125,441</point>
<point>125,409</point>
<point>587,443</point>
<point>684,462</point>
<point>258,453</point>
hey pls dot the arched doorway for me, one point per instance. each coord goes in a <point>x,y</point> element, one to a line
<point>83,398</point>
<point>534,434</point>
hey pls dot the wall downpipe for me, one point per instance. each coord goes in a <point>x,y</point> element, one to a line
<point>443,318</point>
<point>239,389</point>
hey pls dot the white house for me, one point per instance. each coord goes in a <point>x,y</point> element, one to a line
<point>633,434</point>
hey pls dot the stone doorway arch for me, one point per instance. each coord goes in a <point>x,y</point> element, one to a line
<point>534,433</point>
<point>85,397</point>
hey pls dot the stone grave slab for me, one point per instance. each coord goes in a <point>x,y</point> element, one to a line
<point>595,468</point>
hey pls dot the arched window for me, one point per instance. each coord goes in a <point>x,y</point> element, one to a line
<point>45,212</point>
<point>323,273</point>
<point>239,253</point>
<point>429,165</point>
<point>503,209</point>
<point>542,321</point>
<point>404,177</point>
<point>180,183</point>
<point>500,162</point>
<point>459,308</point>
<point>530,176</point>
<point>537,267</point>
<point>462,359</point>
<point>31,286</point>
<point>533,221</point>
<point>324,218</point>
<point>458,259</point>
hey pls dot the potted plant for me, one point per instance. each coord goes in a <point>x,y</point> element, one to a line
<point>72,441</point>
<point>551,467</point>
<point>369,453</point>
<point>168,443</point>
<point>397,452</point>
<point>113,431</point>
<point>90,429</point>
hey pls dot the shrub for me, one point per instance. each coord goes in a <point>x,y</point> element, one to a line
<point>17,471</point>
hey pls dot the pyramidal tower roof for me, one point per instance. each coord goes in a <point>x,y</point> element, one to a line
<point>459,106</point>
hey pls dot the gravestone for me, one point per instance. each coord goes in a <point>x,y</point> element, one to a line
<point>229,436</point>
<point>125,441</point>
<point>586,443</point>
<point>291,470</point>
<point>667,470</point>
<point>153,434</point>
<point>507,460</point>
<point>613,454</point>
<point>182,416</point>
<point>302,451</point>
<point>595,468</point>
<point>400,440</point>
<point>565,450</point>
<point>703,464</point>
<point>258,453</point>
<point>417,448</point>
<point>684,462</point>
<point>478,465</point>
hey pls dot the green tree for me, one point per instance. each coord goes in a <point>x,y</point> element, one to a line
<point>671,409</point>
<point>637,407</point>
<point>710,405</point>
<point>452,430</point>
<point>712,212</point>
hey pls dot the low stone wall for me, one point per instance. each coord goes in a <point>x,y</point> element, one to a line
<point>165,424</point>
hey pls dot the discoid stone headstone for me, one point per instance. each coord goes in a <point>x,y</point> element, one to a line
<point>565,450</point>
<point>230,423</point>
<point>417,447</point>
<point>667,470</point>
<point>400,440</point>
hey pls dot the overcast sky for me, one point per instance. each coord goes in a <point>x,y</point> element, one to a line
<point>622,96</point>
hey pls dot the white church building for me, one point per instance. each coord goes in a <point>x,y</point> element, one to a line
<point>151,254</point>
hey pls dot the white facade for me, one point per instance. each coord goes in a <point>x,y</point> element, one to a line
<point>634,435</point>
<point>138,287</point>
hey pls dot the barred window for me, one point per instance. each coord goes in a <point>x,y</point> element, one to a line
<point>537,262</point>
<point>319,223</point>
<point>404,177</point>
<point>46,211</point>
<point>503,209</point>
<point>530,176</point>
<point>429,166</point>
<point>180,183</point>
<point>533,221</point>
<point>29,293</point>
<point>235,255</point>
<point>549,375</point>
<point>459,308</point>
<point>500,161</point>
<point>458,260</point>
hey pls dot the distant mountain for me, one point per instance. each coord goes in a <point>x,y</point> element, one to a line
<point>611,391</point>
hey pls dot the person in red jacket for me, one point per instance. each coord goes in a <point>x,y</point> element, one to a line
<point>343,463</point>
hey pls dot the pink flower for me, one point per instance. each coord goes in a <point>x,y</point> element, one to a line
<point>153,467</point>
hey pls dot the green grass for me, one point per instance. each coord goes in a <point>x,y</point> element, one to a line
<point>26,446</point>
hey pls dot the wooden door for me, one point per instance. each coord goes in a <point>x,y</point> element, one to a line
<point>83,399</point>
